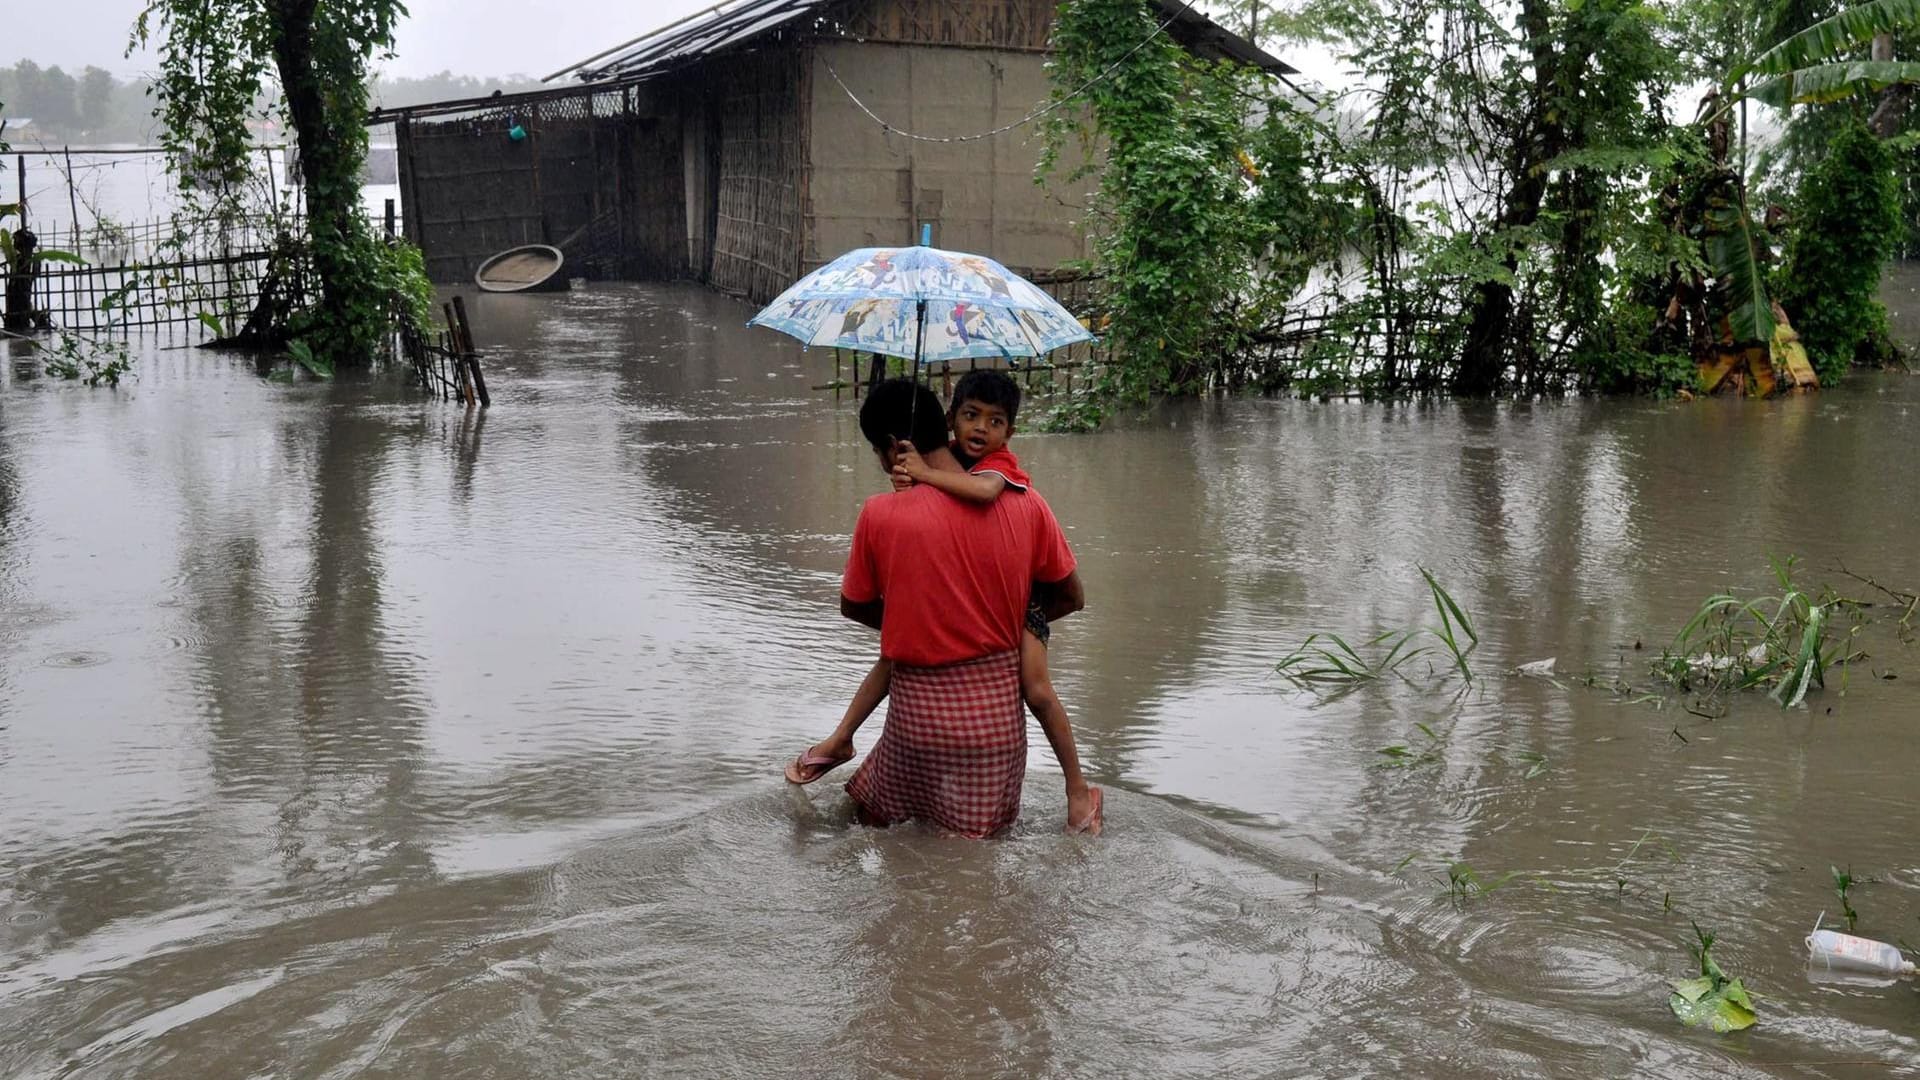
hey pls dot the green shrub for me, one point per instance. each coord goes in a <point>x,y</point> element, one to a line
<point>1845,226</point>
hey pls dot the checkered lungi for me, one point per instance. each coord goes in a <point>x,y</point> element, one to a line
<point>954,751</point>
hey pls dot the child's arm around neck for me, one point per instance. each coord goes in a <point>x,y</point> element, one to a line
<point>982,488</point>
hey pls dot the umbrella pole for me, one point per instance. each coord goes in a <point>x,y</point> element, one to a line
<point>919,343</point>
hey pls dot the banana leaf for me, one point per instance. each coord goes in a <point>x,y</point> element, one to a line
<point>1826,40</point>
<point>1824,83</point>
<point>1729,244</point>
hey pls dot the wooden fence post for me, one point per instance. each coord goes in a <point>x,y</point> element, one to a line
<point>468,354</point>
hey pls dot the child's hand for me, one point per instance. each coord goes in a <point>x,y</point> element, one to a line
<point>902,480</point>
<point>908,461</point>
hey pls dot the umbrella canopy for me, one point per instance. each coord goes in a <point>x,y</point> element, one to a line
<point>923,303</point>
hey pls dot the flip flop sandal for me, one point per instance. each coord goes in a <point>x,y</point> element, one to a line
<point>810,760</point>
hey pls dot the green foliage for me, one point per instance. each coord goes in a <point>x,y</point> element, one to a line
<point>303,355</point>
<point>1326,658</point>
<point>94,361</point>
<point>1787,642</point>
<point>1504,202</point>
<point>1208,220</point>
<point>1729,241</point>
<point>1465,883</point>
<point>1823,84</point>
<point>1075,415</point>
<point>1847,223</point>
<point>1621,357</point>
<point>1843,888</point>
<point>1431,751</point>
<point>1832,37</point>
<point>1713,1001</point>
<point>216,60</point>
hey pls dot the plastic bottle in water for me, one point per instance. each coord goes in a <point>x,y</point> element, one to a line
<point>1844,952</point>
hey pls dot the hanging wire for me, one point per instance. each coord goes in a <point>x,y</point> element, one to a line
<point>1036,114</point>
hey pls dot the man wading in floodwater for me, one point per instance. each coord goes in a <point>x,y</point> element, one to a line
<point>947,583</point>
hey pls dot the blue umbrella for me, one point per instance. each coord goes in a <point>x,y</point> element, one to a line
<point>924,303</point>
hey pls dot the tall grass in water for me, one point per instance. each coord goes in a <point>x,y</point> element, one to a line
<point>1785,642</point>
<point>1327,658</point>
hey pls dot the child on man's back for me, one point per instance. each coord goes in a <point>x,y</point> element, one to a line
<point>981,417</point>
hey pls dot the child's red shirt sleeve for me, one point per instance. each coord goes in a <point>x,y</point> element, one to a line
<point>1003,464</point>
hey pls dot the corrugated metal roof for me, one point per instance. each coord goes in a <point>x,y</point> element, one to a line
<point>1205,38</point>
<point>711,31</point>
<point>735,23</point>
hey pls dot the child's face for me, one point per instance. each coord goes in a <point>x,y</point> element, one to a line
<point>980,428</point>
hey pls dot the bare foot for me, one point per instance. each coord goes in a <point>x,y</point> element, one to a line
<point>1083,811</point>
<point>819,761</point>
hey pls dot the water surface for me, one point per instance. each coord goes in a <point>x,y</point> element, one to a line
<point>346,733</point>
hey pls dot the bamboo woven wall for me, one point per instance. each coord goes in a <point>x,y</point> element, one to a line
<point>757,236</point>
<point>997,24</point>
<point>468,190</point>
<point>621,163</point>
<point>598,175</point>
<point>647,178</point>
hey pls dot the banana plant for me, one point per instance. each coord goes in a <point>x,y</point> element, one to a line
<point>1808,68</point>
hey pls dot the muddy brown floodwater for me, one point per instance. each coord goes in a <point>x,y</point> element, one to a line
<point>346,734</point>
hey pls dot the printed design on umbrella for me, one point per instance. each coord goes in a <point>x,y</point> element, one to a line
<point>922,302</point>
<point>989,273</point>
<point>878,270</point>
<point>856,314</point>
<point>963,318</point>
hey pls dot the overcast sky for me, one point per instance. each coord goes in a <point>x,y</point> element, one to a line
<point>467,37</point>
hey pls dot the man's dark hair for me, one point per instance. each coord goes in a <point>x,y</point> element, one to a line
<point>890,408</point>
<point>989,387</point>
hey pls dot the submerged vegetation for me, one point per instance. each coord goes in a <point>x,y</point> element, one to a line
<point>1326,658</point>
<point>1843,888</point>
<point>1784,643</point>
<point>1507,200</point>
<point>1712,999</point>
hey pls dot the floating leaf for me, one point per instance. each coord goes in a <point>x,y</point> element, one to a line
<point>1712,1000</point>
<point>1697,1004</point>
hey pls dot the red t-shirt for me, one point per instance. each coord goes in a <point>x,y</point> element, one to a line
<point>955,575</point>
<point>1003,464</point>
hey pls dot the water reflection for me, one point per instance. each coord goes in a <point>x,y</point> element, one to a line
<point>420,740</point>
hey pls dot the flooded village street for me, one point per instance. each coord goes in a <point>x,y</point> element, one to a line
<point>346,733</point>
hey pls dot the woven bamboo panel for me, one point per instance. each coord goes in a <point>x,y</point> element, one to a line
<point>470,191</point>
<point>997,24</point>
<point>756,243</point>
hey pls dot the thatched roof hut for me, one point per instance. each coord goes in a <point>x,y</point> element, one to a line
<point>753,141</point>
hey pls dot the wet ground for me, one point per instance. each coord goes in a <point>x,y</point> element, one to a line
<point>343,733</point>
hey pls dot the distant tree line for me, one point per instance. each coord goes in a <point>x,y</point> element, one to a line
<point>95,107</point>
<point>393,93</point>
